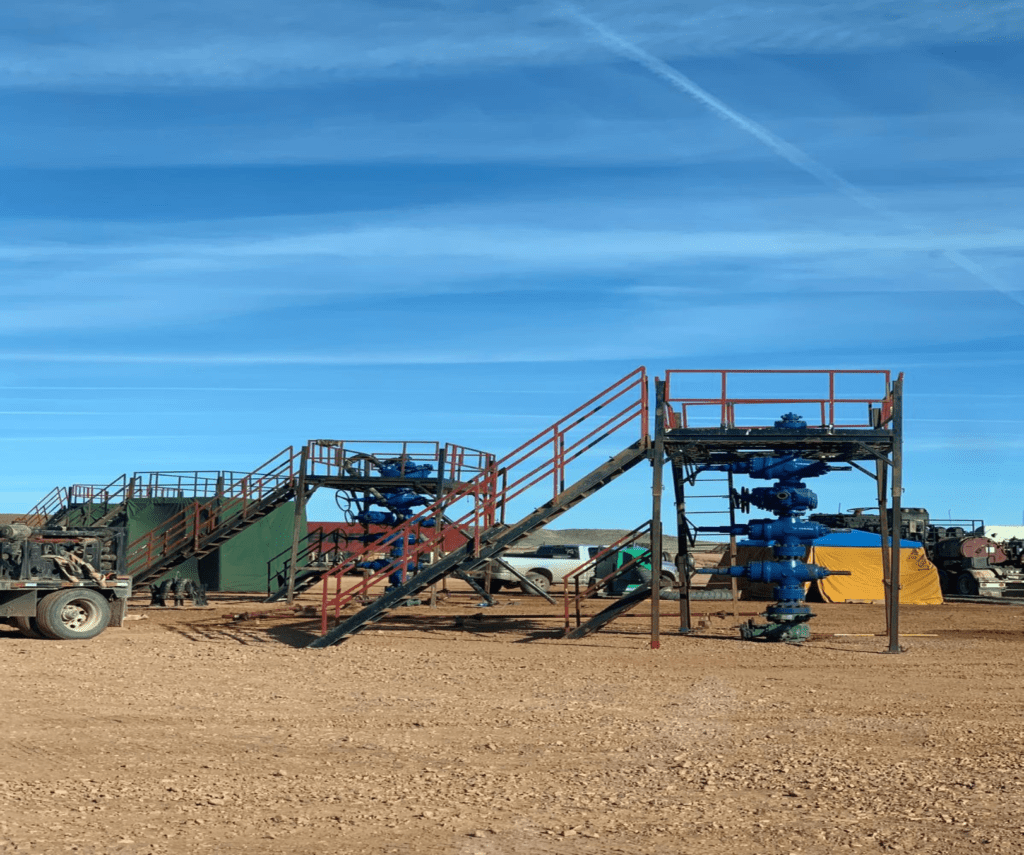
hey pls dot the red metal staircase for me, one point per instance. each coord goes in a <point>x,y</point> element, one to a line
<point>202,526</point>
<point>573,596</point>
<point>544,463</point>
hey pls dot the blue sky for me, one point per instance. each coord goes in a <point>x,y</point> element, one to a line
<point>228,227</point>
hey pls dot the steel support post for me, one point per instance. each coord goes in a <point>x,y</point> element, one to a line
<point>300,514</point>
<point>436,554</point>
<point>897,515</point>
<point>734,557</point>
<point>658,462</point>
<point>882,483</point>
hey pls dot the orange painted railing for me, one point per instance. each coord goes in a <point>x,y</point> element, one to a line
<point>829,407</point>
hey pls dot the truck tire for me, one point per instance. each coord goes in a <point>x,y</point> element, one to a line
<point>495,586</point>
<point>966,585</point>
<point>73,614</point>
<point>29,627</point>
<point>539,579</point>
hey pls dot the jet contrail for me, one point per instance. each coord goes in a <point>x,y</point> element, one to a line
<point>784,149</point>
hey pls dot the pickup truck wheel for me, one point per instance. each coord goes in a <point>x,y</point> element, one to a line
<point>73,614</point>
<point>495,586</point>
<point>538,579</point>
<point>29,627</point>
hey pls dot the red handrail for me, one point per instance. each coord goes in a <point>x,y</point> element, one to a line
<point>624,541</point>
<point>334,458</point>
<point>726,404</point>
<point>51,504</point>
<point>62,498</point>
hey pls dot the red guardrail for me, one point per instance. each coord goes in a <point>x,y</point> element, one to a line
<point>828,404</point>
<point>61,498</point>
<point>51,504</point>
<point>361,458</point>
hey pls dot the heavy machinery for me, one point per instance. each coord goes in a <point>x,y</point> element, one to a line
<point>62,583</point>
<point>969,563</point>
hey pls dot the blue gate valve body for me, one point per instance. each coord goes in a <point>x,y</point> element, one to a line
<point>787,576</point>
<point>404,469</point>
<point>401,501</point>
<point>377,518</point>
<point>768,468</point>
<point>785,530</point>
<point>785,497</point>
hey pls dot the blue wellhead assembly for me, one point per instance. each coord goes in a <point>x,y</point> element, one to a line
<point>789,536</point>
<point>399,504</point>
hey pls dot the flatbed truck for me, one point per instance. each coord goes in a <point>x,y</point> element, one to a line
<point>64,584</point>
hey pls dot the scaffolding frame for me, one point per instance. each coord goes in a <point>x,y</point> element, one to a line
<point>876,440</point>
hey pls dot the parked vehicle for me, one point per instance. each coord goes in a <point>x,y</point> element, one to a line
<point>62,584</point>
<point>550,564</point>
<point>637,572</point>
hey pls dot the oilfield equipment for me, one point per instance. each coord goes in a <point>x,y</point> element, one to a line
<point>418,513</point>
<point>789,535</point>
<point>969,562</point>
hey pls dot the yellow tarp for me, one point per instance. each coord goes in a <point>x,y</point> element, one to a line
<point>919,579</point>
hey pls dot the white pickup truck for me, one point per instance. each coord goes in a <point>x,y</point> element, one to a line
<point>547,566</point>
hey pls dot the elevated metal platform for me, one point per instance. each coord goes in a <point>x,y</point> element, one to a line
<point>701,446</point>
<point>844,417</point>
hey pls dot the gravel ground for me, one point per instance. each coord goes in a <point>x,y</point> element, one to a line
<point>188,732</point>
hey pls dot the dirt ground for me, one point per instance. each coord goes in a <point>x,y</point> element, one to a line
<point>464,730</point>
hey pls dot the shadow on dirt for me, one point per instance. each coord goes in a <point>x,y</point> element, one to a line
<point>295,635</point>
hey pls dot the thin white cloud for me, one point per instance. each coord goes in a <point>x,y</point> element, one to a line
<point>545,246</point>
<point>143,285</point>
<point>793,154</point>
<point>225,44</point>
<point>961,444</point>
<point>105,437</point>
<point>478,355</point>
<point>568,137</point>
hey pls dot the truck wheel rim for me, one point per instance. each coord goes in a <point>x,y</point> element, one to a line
<point>78,615</point>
